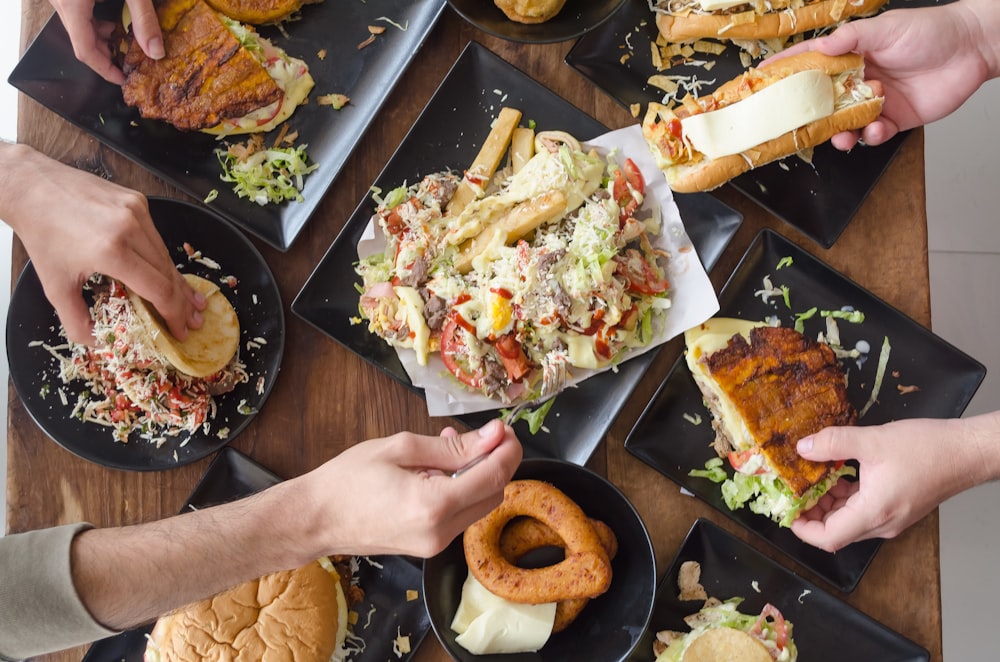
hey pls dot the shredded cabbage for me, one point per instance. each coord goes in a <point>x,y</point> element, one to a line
<point>270,175</point>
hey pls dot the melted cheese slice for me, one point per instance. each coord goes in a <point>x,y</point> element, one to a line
<point>773,111</point>
<point>490,625</point>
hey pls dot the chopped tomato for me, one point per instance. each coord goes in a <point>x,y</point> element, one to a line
<point>640,274</point>
<point>780,630</point>
<point>675,128</point>
<point>455,354</point>
<point>628,189</point>
<point>515,361</point>
<point>277,108</point>
<point>739,458</point>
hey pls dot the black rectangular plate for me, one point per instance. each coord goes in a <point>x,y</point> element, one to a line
<point>819,199</point>
<point>826,629</point>
<point>947,377</point>
<point>51,75</point>
<point>448,134</point>
<point>231,476</point>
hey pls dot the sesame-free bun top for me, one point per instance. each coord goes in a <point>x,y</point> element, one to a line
<point>726,645</point>
<point>206,350</point>
<point>295,615</point>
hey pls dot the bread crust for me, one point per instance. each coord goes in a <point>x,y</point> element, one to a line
<point>704,174</point>
<point>772,24</point>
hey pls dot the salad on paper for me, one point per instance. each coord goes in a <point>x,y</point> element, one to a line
<point>483,282</point>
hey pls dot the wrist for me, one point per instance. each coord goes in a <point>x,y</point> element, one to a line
<point>981,434</point>
<point>983,20</point>
<point>14,160</point>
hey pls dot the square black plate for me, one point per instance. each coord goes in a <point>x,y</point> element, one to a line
<point>947,377</point>
<point>819,199</point>
<point>385,580</point>
<point>826,629</point>
<point>49,73</point>
<point>448,134</point>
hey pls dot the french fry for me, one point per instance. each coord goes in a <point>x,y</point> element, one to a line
<point>486,161</point>
<point>515,224</point>
<point>522,147</point>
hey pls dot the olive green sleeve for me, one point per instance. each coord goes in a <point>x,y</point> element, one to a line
<point>40,610</point>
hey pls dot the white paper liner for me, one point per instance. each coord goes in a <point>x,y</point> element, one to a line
<point>692,296</point>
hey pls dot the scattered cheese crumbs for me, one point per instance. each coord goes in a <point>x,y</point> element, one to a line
<point>208,262</point>
<point>38,343</point>
<point>338,101</point>
<point>411,595</point>
<point>705,46</point>
<point>321,54</point>
<point>804,594</point>
<point>260,386</point>
<point>259,340</point>
<point>693,420</point>
<point>401,645</point>
<point>755,586</point>
<point>212,195</point>
<point>368,616</point>
<point>394,24</point>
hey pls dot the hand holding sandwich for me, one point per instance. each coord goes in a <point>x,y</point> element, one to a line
<point>90,37</point>
<point>928,60</point>
<point>906,469</point>
<point>74,224</point>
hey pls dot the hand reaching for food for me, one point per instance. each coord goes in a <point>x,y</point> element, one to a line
<point>894,45</point>
<point>90,36</point>
<point>74,224</point>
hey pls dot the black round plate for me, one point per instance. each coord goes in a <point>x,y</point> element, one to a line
<point>34,370</point>
<point>576,18</point>
<point>611,625</point>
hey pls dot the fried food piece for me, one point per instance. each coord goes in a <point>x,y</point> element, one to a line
<point>530,11</point>
<point>205,77</point>
<point>524,535</point>
<point>257,12</point>
<point>585,572</point>
<point>784,387</point>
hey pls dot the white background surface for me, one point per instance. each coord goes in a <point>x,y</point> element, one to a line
<point>963,201</point>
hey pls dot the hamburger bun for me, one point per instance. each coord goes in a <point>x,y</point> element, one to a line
<point>296,615</point>
<point>726,645</point>
<point>205,351</point>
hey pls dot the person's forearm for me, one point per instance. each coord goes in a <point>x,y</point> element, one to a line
<point>980,444</point>
<point>14,160</point>
<point>129,576</point>
<point>983,19</point>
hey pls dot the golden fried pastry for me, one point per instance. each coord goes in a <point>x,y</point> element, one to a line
<point>530,11</point>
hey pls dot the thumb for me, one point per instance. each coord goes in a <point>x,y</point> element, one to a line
<point>146,27</point>
<point>842,40</point>
<point>74,315</point>
<point>835,443</point>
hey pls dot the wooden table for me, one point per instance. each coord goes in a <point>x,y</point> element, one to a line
<point>348,400</point>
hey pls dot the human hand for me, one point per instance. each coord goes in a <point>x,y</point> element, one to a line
<point>90,36</point>
<point>906,468</point>
<point>396,495</point>
<point>928,61</point>
<point>74,224</point>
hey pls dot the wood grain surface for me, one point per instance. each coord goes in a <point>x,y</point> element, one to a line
<point>327,399</point>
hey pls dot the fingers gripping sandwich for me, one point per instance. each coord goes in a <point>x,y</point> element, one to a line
<point>296,615</point>
<point>217,76</point>
<point>767,387</point>
<point>763,115</point>
<point>687,20</point>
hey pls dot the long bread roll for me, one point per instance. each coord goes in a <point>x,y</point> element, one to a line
<point>685,20</point>
<point>679,145</point>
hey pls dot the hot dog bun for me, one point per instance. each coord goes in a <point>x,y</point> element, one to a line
<point>692,172</point>
<point>771,24</point>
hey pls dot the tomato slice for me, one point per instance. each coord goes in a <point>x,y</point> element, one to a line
<point>739,458</point>
<point>455,354</point>
<point>515,361</point>
<point>628,183</point>
<point>641,276</point>
<point>780,629</point>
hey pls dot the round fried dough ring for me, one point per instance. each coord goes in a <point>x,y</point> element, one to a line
<point>525,535</point>
<point>585,572</point>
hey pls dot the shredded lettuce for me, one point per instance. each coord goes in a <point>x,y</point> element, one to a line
<point>852,316</point>
<point>883,360</point>
<point>270,175</point>
<point>800,319</point>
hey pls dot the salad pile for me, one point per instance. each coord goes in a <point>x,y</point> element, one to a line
<point>500,304</point>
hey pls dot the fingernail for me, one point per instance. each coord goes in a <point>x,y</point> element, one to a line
<point>489,429</point>
<point>154,48</point>
<point>196,318</point>
<point>199,299</point>
<point>805,445</point>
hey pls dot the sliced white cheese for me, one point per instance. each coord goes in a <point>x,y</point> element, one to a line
<point>713,5</point>
<point>488,624</point>
<point>714,334</point>
<point>775,110</point>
